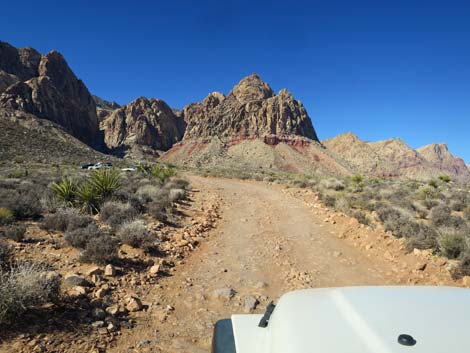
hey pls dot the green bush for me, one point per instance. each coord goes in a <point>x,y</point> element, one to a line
<point>451,243</point>
<point>445,178</point>
<point>162,173</point>
<point>6,216</point>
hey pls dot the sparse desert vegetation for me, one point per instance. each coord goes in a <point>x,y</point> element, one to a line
<point>85,218</point>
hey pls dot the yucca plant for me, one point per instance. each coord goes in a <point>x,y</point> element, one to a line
<point>65,190</point>
<point>87,198</point>
<point>105,183</point>
<point>144,169</point>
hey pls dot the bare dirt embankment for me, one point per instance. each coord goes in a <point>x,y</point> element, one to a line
<point>268,240</point>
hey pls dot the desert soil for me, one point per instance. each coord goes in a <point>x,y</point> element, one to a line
<point>268,240</point>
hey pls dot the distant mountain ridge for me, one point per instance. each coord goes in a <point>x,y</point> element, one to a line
<point>251,127</point>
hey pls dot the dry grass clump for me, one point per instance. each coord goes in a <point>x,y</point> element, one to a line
<point>6,216</point>
<point>23,286</point>
<point>333,184</point>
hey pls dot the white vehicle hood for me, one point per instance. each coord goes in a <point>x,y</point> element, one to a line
<point>361,320</point>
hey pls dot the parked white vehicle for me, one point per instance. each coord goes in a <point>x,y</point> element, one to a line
<point>354,320</point>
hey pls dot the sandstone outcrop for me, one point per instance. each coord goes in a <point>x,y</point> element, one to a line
<point>148,124</point>
<point>251,109</point>
<point>46,87</point>
<point>440,157</point>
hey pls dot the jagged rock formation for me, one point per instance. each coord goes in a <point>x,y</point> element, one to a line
<point>45,86</point>
<point>104,108</point>
<point>440,158</point>
<point>251,109</point>
<point>144,124</point>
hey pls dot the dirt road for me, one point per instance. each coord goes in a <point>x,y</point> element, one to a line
<point>267,242</point>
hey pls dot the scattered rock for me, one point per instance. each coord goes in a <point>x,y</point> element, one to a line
<point>72,280</point>
<point>249,304</point>
<point>154,269</point>
<point>134,304</point>
<point>225,293</point>
<point>95,270</point>
<point>109,271</point>
<point>97,324</point>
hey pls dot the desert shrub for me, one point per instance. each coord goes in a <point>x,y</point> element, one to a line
<point>177,183</point>
<point>100,250</point>
<point>79,237</point>
<point>24,286</point>
<point>400,198</point>
<point>147,192</point>
<point>65,191</point>
<point>136,235</point>
<point>342,204</point>
<point>425,239</point>
<point>177,195</point>
<point>440,215</point>
<point>333,184</point>
<point>6,254</point>
<point>421,211</point>
<point>464,266</point>
<point>161,207</point>
<point>24,202</point>
<point>466,213</point>
<point>6,216</point>
<point>357,179</point>
<point>386,212</point>
<point>433,183</point>
<point>49,203</point>
<point>105,183</point>
<point>361,217</point>
<point>402,227</point>
<point>65,219</point>
<point>457,205</point>
<point>451,243</point>
<point>116,213</point>
<point>15,232</point>
<point>445,178</point>
<point>163,173</point>
<point>427,193</point>
<point>328,199</point>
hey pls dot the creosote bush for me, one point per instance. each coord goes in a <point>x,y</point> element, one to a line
<point>116,213</point>
<point>100,250</point>
<point>79,237</point>
<point>452,243</point>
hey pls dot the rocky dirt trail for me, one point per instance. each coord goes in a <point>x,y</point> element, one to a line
<point>269,240</point>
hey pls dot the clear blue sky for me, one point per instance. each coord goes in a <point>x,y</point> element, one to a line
<point>378,68</point>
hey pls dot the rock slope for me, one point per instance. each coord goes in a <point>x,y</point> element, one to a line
<point>440,158</point>
<point>251,109</point>
<point>45,86</point>
<point>394,158</point>
<point>144,125</point>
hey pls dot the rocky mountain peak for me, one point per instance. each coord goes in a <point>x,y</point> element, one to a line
<point>439,156</point>
<point>251,109</point>
<point>46,87</point>
<point>252,88</point>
